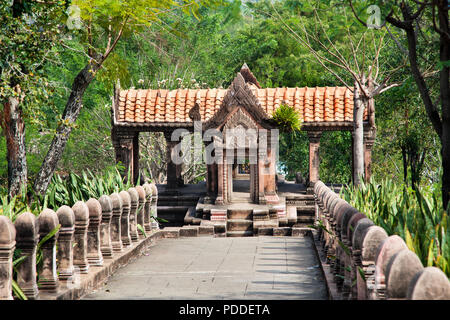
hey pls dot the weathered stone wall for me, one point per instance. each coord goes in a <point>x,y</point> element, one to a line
<point>366,263</point>
<point>89,235</point>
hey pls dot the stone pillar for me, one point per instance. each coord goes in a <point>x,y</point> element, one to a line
<point>27,237</point>
<point>105,227</point>
<point>369,139</point>
<point>171,167</point>
<point>314,160</point>
<point>148,208</point>
<point>208,180</point>
<point>7,245</point>
<point>226,180</point>
<point>66,219</point>
<point>261,169</point>
<point>123,143</point>
<point>179,174</point>
<point>141,210</point>
<point>135,171</point>
<point>48,278</point>
<point>154,206</point>
<point>272,167</point>
<point>116,234</point>
<point>220,179</point>
<point>94,255</point>
<point>134,200</point>
<point>81,211</point>
<point>125,219</point>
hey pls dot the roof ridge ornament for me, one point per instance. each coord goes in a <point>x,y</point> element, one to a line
<point>194,113</point>
<point>248,76</point>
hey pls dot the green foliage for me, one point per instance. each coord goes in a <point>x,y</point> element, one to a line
<point>416,216</point>
<point>287,119</point>
<point>26,41</point>
<point>73,188</point>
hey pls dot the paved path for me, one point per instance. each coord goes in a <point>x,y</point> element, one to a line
<point>277,268</point>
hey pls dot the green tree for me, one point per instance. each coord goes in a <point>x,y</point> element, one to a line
<point>425,24</point>
<point>29,29</point>
<point>99,26</point>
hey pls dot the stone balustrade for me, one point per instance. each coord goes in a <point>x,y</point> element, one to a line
<point>367,264</point>
<point>88,234</point>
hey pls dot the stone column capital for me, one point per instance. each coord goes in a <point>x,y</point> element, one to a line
<point>314,136</point>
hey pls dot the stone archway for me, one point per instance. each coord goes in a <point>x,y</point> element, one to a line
<point>240,134</point>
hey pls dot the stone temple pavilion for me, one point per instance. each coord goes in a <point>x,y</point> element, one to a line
<point>243,106</point>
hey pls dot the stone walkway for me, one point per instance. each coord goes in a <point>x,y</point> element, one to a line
<point>277,268</point>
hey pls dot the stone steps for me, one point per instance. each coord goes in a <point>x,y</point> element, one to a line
<point>240,233</point>
<point>239,222</point>
<point>306,215</point>
<point>246,214</point>
<point>239,225</point>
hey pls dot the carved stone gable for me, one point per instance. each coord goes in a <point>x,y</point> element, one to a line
<point>238,95</point>
<point>242,119</point>
<point>236,131</point>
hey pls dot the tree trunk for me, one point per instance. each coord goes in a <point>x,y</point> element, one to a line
<point>444,80</point>
<point>446,161</point>
<point>358,134</point>
<point>70,115</point>
<point>14,128</point>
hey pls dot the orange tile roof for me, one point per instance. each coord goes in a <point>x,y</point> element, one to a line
<point>319,104</point>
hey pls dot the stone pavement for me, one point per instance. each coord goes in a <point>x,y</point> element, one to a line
<point>277,268</point>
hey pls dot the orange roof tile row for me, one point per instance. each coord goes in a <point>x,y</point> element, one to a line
<point>320,104</point>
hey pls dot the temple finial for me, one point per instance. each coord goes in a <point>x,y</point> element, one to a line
<point>248,75</point>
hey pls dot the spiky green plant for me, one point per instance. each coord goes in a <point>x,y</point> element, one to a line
<point>61,192</point>
<point>287,119</point>
<point>416,216</point>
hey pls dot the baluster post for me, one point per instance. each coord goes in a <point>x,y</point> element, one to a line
<point>66,218</point>
<point>7,246</point>
<point>48,278</point>
<point>81,211</point>
<point>94,254</point>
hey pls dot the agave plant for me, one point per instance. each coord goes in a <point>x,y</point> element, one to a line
<point>417,216</point>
